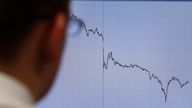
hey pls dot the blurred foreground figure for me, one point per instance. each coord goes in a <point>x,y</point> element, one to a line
<point>32,36</point>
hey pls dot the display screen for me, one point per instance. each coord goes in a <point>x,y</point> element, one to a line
<point>126,54</point>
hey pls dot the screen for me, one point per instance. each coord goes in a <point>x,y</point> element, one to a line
<point>126,54</point>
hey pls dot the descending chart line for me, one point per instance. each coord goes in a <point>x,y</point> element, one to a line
<point>110,57</point>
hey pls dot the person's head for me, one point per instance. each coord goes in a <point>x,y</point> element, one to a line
<point>32,36</point>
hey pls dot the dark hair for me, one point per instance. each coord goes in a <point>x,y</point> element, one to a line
<point>17,16</point>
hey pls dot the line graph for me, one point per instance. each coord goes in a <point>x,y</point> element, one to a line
<point>110,58</point>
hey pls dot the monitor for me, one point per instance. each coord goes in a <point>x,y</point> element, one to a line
<point>126,54</point>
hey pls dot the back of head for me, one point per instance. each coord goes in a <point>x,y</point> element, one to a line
<point>32,36</point>
<point>18,16</point>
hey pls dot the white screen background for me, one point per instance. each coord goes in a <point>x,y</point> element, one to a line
<point>156,36</point>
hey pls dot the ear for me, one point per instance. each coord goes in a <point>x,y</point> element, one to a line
<point>56,39</point>
<point>49,51</point>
